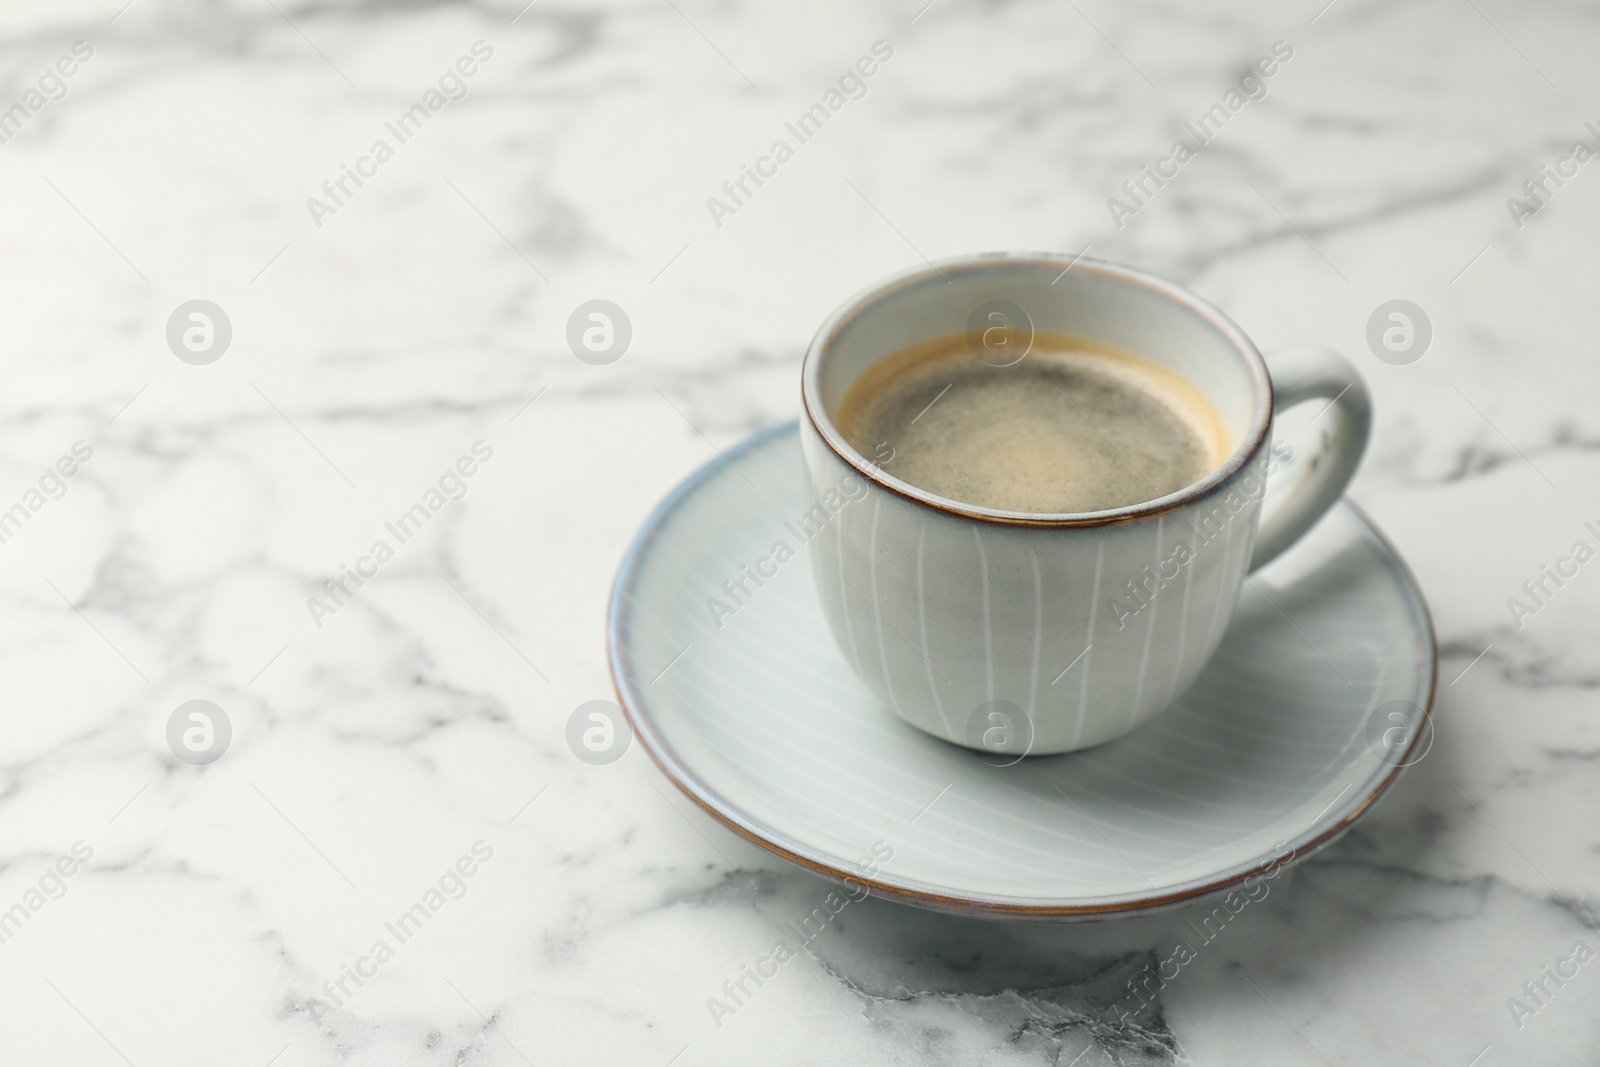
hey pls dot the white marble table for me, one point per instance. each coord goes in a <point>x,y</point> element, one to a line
<point>211,912</point>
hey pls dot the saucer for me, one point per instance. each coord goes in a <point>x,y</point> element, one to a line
<point>1314,704</point>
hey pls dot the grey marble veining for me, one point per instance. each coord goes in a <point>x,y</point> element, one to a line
<point>371,753</point>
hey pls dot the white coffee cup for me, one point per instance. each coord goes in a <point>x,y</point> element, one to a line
<point>1036,634</point>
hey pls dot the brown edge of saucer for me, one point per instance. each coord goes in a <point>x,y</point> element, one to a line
<point>1214,484</point>
<point>666,760</point>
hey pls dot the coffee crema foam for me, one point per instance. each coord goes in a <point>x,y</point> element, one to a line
<point>1075,426</point>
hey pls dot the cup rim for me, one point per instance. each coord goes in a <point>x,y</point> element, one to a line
<point>1244,349</point>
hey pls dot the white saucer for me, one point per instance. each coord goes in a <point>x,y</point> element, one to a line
<point>1318,698</point>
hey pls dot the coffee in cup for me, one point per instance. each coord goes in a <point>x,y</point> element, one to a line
<point>1074,426</point>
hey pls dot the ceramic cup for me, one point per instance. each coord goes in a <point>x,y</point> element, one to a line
<point>1029,634</point>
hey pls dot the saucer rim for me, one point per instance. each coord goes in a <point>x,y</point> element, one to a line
<point>1318,836</point>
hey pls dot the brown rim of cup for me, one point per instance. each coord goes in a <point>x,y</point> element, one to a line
<point>1212,484</point>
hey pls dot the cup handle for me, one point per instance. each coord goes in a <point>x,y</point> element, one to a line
<point>1299,374</point>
